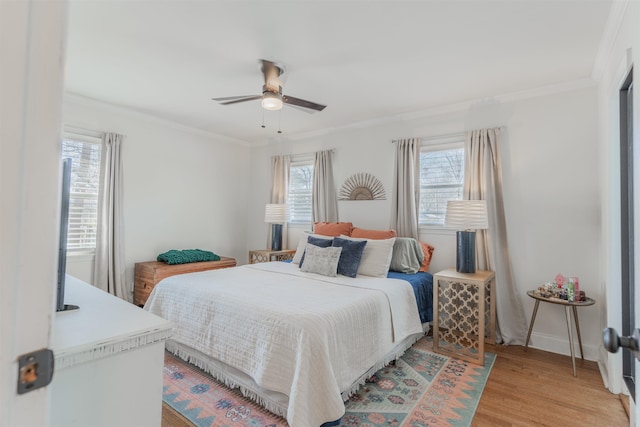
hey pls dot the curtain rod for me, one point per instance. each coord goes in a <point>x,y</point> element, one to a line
<point>446,135</point>
<point>333,150</point>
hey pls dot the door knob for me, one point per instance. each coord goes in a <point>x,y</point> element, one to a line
<point>612,341</point>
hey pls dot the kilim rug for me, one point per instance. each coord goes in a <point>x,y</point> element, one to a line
<point>422,389</point>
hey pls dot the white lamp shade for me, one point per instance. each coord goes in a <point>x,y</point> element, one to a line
<point>466,215</point>
<point>276,213</point>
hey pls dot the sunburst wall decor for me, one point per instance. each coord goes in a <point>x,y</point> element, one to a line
<point>362,186</point>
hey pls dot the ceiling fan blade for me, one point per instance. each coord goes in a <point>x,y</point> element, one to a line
<point>233,98</point>
<point>302,103</point>
<point>243,99</point>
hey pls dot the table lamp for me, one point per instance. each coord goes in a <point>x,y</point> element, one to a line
<point>466,216</point>
<point>276,215</point>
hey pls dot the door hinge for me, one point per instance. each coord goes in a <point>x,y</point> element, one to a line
<point>35,370</point>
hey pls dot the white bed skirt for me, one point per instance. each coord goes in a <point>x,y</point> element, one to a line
<point>273,401</point>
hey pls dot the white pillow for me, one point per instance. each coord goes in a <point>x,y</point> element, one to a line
<point>376,256</point>
<point>300,250</point>
<point>302,243</point>
<point>321,260</point>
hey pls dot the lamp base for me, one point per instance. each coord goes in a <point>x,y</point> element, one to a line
<point>466,252</point>
<point>276,237</point>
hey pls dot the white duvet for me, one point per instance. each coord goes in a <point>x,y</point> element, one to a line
<point>304,335</point>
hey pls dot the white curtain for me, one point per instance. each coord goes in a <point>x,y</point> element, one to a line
<point>325,198</point>
<point>483,181</point>
<point>406,188</point>
<point>279,190</point>
<point>108,272</point>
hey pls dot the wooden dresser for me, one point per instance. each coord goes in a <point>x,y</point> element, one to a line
<point>148,274</point>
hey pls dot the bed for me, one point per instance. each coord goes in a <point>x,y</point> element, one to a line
<point>297,342</point>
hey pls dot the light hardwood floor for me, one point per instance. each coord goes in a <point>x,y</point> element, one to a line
<point>530,388</point>
<point>537,388</point>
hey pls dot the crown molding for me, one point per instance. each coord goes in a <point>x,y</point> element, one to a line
<point>437,111</point>
<point>609,36</point>
<point>430,112</point>
<point>547,90</point>
<point>87,101</point>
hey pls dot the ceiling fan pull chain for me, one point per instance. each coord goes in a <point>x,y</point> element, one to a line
<point>279,117</point>
<point>263,126</point>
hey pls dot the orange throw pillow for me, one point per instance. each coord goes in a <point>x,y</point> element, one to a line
<point>333,229</point>
<point>428,253</point>
<point>373,234</point>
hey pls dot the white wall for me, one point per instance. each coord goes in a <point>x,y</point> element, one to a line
<point>550,179</point>
<point>183,189</point>
<point>551,192</point>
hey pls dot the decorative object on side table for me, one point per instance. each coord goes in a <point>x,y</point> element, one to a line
<point>567,290</point>
<point>276,214</point>
<point>267,255</point>
<point>464,313</point>
<point>558,293</point>
<point>466,216</point>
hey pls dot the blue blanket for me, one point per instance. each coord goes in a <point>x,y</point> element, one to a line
<point>422,284</point>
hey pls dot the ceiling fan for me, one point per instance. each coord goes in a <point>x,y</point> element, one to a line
<point>272,97</point>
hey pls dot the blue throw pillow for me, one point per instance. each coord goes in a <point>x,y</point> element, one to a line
<point>350,256</point>
<point>316,241</point>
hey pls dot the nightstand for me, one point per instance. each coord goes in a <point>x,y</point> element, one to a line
<point>148,274</point>
<point>464,313</point>
<point>267,255</point>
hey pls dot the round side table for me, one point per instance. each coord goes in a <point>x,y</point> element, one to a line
<point>569,307</point>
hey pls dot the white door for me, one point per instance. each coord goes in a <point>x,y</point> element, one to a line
<point>633,114</point>
<point>630,209</point>
<point>629,113</point>
<point>32,38</point>
<point>630,249</point>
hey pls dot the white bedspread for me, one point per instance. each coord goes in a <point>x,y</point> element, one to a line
<point>307,336</point>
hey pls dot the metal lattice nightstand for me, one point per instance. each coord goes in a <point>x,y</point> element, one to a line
<point>267,255</point>
<point>462,307</point>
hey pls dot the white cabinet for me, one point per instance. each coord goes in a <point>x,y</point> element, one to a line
<point>109,356</point>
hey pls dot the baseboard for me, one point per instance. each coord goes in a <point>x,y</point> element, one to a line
<point>604,373</point>
<point>561,346</point>
<point>624,399</point>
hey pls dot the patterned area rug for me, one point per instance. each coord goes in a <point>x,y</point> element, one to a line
<point>422,389</point>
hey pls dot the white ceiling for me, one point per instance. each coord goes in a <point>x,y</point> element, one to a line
<point>363,59</point>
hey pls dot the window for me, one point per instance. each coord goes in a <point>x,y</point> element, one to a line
<point>84,151</point>
<point>441,179</point>
<point>300,196</point>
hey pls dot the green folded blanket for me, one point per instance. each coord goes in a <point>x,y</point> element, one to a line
<point>186,256</point>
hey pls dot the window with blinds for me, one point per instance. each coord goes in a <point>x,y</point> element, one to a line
<point>300,196</point>
<point>85,152</point>
<point>441,179</point>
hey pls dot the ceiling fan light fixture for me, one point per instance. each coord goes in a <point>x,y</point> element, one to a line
<point>271,101</point>
<point>271,97</point>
